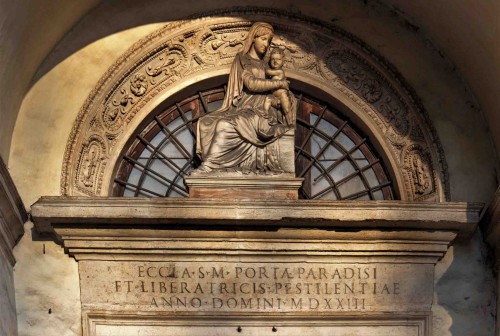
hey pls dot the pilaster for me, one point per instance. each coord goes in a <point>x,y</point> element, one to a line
<point>12,214</point>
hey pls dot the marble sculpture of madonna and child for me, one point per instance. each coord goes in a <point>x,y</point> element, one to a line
<point>258,109</point>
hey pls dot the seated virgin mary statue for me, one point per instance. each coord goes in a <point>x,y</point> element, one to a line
<point>242,135</point>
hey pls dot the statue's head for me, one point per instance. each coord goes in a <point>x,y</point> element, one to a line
<point>262,28</point>
<point>276,58</point>
<point>259,37</point>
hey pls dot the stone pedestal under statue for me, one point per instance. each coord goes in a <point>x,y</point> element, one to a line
<point>281,185</point>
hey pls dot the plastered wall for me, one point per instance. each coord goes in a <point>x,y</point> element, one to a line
<point>27,34</point>
<point>45,278</point>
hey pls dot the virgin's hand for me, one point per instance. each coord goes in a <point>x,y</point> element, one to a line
<point>285,84</point>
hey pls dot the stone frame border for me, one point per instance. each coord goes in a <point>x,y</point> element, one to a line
<point>420,320</point>
<point>174,56</point>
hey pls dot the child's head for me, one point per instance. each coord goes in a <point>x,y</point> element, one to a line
<point>276,58</point>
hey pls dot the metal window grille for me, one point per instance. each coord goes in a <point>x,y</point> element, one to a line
<point>336,162</point>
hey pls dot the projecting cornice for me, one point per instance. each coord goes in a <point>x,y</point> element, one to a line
<point>111,212</point>
<point>12,214</point>
<point>127,229</point>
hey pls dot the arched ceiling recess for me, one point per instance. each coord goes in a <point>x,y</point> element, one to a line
<point>318,55</point>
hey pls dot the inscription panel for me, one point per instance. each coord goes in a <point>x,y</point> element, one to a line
<point>255,287</point>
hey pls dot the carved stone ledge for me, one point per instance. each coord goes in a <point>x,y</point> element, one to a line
<point>50,213</point>
<point>12,214</point>
<point>278,187</point>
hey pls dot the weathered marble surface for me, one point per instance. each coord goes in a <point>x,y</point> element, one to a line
<point>255,287</point>
<point>218,297</point>
<point>237,186</point>
<point>449,216</point>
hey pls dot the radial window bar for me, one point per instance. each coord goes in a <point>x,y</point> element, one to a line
<point>334,160</point>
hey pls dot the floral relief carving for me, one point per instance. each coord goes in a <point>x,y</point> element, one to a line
<point>181,50</point>
<point>226,43</point>
<point>395,115</point>
<point>297,47</point>
<point>218,44</point>
<point>345,66</point>
<point>138,85</point>
<point>371,90</point>
<point>114,113</point>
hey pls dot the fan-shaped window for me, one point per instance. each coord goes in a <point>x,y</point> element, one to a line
<point>336,162</point>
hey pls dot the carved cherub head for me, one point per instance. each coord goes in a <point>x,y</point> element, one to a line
<point>277,58</point>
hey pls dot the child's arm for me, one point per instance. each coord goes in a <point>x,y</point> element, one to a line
<point>275,72</point>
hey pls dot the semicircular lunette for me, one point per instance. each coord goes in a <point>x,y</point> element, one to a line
<point>320,53</point>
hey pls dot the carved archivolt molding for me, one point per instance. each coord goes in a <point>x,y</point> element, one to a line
<point>317,53</point>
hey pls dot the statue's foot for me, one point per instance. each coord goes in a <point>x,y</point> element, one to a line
<point>246,171</point>
<point>201,170</point>
<point>275,172</point>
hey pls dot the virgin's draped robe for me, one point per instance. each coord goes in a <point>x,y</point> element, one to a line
<point>241,134</point>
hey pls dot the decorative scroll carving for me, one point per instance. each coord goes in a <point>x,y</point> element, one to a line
<point>221,44</point>
<point>395,115</point>
<point>315,52</point>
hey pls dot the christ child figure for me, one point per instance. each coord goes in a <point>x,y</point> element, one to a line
<point>281,97</point>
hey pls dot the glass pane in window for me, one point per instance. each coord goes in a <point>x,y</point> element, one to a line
<point>319,184</point>
<point>371,177</point>
<point>327,128</point>
<point>317,143</point>
<point>344,169</point>
<point>351,187</point>
<point>344,141</point>
<point>215,105</point>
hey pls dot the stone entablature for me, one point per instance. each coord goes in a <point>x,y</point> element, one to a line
<point>12,214</point>
<point>173,265</point>
<point>318,55</point>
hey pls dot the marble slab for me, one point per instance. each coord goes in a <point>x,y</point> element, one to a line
<point>255,287</point>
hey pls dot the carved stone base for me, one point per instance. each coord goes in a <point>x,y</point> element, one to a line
<point>232,186</point>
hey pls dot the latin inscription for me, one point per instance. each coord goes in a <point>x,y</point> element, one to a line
<point>226,286</point>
